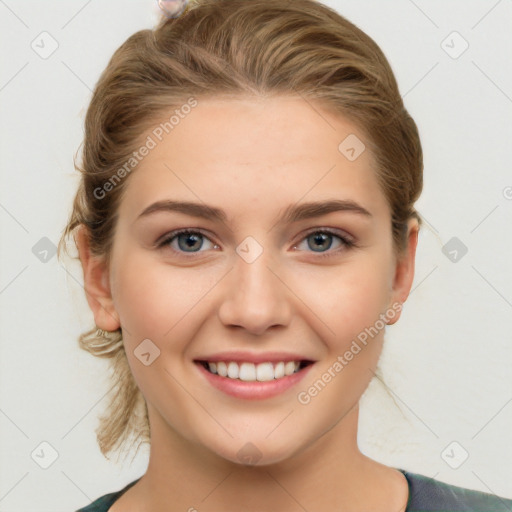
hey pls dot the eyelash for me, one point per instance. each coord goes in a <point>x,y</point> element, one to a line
<point>347,243</point>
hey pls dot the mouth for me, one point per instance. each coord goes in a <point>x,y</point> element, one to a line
<point>245,371</point>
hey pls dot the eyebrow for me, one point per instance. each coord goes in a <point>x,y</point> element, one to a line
<point>292,213</point>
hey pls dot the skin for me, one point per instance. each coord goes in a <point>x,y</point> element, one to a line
<point>253,158</point>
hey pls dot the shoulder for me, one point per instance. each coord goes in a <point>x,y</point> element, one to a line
<point>429,495</point>
<point>103,503</point>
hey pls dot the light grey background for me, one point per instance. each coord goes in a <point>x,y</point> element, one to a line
<point>447,362</point>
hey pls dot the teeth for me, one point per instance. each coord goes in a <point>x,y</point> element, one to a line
<point>264,372</point>
<point>247,371</point>
<point>250,372</point>
<point>233,371</point>
<point>222,369</point>
<point>279,370</point>
<point>289,368</point>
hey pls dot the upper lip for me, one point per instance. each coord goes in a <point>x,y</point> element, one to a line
<point>250,357</point>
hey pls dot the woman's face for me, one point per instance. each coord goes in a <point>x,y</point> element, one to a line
<point>264,279</point>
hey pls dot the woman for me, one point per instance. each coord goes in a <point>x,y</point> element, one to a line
<point>246,227</point>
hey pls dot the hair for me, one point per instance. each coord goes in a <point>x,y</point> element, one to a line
<point>216,48</point>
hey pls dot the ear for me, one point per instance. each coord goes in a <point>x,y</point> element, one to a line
<point>96,284</point>
<point>404,270</point>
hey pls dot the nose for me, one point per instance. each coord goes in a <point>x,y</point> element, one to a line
<point>254,297</point>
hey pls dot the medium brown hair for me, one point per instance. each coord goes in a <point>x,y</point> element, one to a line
<point>232,47</point>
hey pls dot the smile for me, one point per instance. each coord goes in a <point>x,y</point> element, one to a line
<point>250,372</point>
<point>253,380</point>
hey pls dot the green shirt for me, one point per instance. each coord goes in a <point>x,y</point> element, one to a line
<point>425,495</point>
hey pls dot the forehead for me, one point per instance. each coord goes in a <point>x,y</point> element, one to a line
<point>254,151</point>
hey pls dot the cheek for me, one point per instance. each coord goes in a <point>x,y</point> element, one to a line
<point>154,299</point>
<point>347,299</point>
<point>352,306</point>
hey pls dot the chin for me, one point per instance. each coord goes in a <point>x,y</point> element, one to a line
<point>255,452</point>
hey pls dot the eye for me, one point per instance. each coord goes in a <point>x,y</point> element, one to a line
<point>321,240</point>
<point>192,241</point>
<point>185,240</point>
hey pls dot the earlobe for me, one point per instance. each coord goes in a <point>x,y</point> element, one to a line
<point>404,272</point>
<point>96,284</point>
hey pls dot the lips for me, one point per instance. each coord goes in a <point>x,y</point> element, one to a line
<point>252,376</point>
<point>252,388</point>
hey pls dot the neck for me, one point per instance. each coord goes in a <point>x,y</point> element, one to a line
<point>330,472</point>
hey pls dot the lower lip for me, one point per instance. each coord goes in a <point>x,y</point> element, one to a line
<point>253,390</point>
